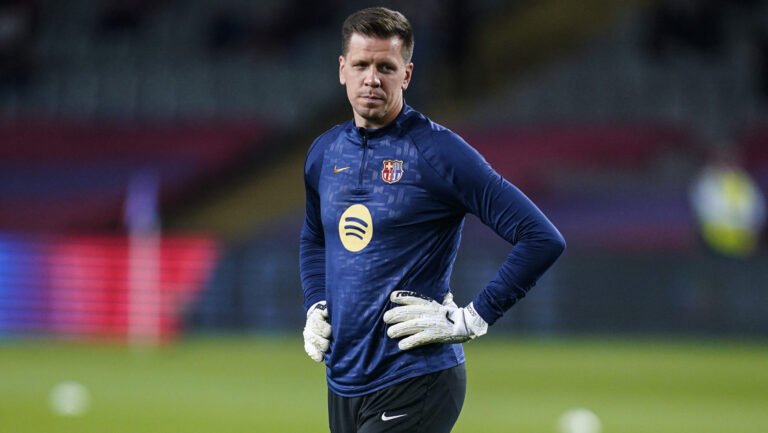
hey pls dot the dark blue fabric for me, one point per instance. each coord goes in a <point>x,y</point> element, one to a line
<point>415,231</point>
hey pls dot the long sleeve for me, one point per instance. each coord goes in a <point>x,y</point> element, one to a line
<point>312,239</point>
<point>500,205</point>
<point>536,245</point>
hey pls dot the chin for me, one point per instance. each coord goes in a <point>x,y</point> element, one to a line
<point>369,114</point>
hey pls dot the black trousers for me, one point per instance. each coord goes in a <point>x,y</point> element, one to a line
<point>423,404</point>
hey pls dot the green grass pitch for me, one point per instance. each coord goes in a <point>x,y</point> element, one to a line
<point>267,384</point>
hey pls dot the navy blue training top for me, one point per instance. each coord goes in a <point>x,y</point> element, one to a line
<point>384,212</point>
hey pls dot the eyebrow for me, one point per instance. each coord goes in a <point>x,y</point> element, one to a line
<point>379,63</point>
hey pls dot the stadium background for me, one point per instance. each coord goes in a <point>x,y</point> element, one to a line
<point>151,196</point>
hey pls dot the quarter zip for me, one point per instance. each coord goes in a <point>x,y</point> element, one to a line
<point>364,132</point>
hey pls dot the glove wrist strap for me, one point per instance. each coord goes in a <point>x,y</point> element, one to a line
<point>475,324</point>
<point>319,305</point>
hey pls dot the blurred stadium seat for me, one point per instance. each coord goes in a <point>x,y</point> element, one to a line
<point>594,110</point>
<point>74,175</point>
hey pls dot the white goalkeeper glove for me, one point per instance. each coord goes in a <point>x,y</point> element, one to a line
<point>423,320</point>
<point>317,331</point>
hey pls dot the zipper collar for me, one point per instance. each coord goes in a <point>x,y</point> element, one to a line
<point>357,134</point>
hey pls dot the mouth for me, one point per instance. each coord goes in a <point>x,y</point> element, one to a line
<point>371,99</point>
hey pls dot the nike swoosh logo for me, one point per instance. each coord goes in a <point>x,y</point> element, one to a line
<point>385,418</point>
<point>339,170</point>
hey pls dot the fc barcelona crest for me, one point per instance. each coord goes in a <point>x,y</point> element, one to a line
<point>392,171</point>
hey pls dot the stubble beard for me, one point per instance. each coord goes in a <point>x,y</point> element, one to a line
<point>372,114</point>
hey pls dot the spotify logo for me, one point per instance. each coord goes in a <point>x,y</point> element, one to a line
<point>355,227</point>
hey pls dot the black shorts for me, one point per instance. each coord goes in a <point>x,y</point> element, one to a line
<point>423,404</point>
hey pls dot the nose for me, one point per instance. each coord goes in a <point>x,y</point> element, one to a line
<point>372,78</point>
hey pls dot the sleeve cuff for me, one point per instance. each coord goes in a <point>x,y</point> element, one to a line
<point>484,310</point>
<point>312,299</point>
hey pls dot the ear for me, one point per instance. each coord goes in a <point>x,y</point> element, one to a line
<point>342,63</point>
<point>408,73</point>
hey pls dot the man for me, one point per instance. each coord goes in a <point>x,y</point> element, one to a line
<point>386,196</point>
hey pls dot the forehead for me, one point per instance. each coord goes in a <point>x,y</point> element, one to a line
<point>361,46</point>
